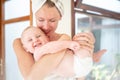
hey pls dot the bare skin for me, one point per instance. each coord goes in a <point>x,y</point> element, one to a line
<point>28,66</point>
<point>97,55</point>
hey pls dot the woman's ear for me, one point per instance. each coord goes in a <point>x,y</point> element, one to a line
<point>60,17</point>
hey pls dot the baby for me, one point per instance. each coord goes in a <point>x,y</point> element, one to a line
<point>36,42</point>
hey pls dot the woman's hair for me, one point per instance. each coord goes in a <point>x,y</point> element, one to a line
<point>49,3</point>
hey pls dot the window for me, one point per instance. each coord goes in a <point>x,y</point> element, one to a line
<point>104,22</point>
<point>17,17</point>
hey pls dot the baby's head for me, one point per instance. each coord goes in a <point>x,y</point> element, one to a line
<point>33,37</point>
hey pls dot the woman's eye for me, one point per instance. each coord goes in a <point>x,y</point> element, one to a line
<point>40,20</point>
<point>52,20</point>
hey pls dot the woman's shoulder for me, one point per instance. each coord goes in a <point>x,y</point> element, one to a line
<point>15,41</point>
<point>64,37</point>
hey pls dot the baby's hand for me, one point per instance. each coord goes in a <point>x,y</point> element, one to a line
<point>74,46</point>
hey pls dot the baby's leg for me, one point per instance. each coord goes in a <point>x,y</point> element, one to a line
<point>82,53</point>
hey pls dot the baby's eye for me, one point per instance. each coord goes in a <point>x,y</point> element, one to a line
<point>38,36</point>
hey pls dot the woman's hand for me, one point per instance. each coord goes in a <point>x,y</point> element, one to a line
<point>86,40</point>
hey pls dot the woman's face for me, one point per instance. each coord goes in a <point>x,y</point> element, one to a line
<point>47,19</point>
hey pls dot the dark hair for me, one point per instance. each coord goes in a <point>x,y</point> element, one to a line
<point>49,3</point>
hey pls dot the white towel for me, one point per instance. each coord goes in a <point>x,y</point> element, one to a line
<point>37,4</point>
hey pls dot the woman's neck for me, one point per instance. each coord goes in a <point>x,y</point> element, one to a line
<point>54,37</point>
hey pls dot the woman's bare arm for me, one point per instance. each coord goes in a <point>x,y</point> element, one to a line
<point>35,70</point>
<point>25,60</point>
<point>45,65</point>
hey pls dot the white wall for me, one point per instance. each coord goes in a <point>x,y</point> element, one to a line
<point>65,23</point>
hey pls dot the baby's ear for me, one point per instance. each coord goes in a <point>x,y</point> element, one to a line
<point>27,50</point>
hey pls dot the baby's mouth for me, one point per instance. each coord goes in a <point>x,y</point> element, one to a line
<point>37,45</point>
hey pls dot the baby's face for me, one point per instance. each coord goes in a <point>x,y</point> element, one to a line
<point>33,38</point>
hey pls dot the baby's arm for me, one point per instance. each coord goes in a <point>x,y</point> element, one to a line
<point>55,46</point>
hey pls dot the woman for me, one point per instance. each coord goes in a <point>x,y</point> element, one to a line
<point>48,13</point>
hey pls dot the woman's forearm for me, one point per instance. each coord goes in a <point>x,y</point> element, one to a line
<point>45,65</point>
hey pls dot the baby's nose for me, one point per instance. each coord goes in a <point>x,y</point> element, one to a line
<point>35,40</point>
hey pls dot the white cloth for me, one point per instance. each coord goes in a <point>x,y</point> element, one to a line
<point>37,4</point>
<point>82,66</point>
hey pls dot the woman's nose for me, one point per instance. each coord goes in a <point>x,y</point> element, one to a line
<point>46,25</point>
